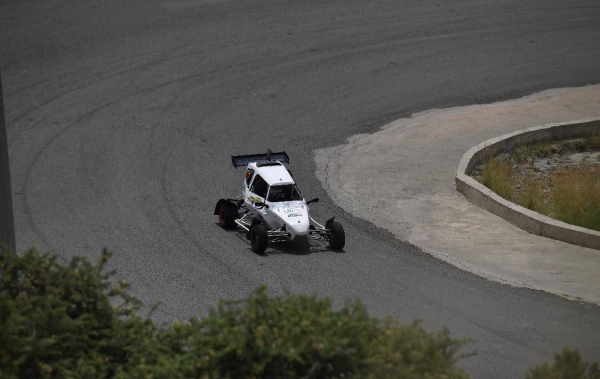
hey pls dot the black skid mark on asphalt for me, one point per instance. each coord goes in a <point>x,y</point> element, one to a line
<point>36,159</point>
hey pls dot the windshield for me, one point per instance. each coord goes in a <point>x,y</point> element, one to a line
<point>286,192</point>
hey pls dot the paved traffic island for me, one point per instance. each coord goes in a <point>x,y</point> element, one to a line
<point>401,179</point>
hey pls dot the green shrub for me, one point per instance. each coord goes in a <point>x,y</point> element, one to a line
<point>73,321</point>
<point>541,149</point>
<point>301,336</point>
<point>59,321</point>
<point>567,365</point>
<point>293,335</point>
<point>520,153</point>
<point>411,352</point>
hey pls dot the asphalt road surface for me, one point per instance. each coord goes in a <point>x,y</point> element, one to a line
<point>122,116</point>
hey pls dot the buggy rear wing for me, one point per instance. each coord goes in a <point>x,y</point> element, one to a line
<point>269,157</point>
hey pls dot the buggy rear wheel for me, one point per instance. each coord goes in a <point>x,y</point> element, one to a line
<point>259,238</point>
<point>337,236</point>
<point>228,212</point>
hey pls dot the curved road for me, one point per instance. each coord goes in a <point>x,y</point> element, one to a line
<point>122,116</point>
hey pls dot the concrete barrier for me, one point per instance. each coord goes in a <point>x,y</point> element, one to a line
<point>522,217</point>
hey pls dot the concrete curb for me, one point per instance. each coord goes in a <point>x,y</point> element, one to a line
<point>524,218</point>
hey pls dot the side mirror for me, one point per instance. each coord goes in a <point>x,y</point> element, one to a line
<point>315,200</point>
<point>260,204</point>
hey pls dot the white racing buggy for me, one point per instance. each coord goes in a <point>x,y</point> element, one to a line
<point>271,206</point>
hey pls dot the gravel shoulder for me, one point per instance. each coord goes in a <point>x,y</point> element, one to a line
<point>401,179</point>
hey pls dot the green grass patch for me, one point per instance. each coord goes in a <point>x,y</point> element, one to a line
<point>593,142</point>
<point>496,176</point>
<point>572,197</point>
<point>576,198</point>
<point>533,196</point>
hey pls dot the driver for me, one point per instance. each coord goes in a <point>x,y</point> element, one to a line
<point>284,193</point>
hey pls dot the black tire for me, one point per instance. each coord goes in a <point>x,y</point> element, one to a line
<point>259,238</point>
<point>228,212</point>
<point>337,236</point>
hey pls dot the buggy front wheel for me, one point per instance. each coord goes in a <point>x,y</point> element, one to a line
<point>259,238</point>
<point>337,237</point>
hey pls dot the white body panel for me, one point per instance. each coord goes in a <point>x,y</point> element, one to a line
<point>273,174</point>
<point>293,215</point>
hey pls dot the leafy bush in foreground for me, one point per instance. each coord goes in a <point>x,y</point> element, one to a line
<point>58,320</point>
<point>300,336</point>
<point>72,321</point>
<point>567,365</point>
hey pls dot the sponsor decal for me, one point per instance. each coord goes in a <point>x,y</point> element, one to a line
<point>295,215</point>
<point>254,199</point>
